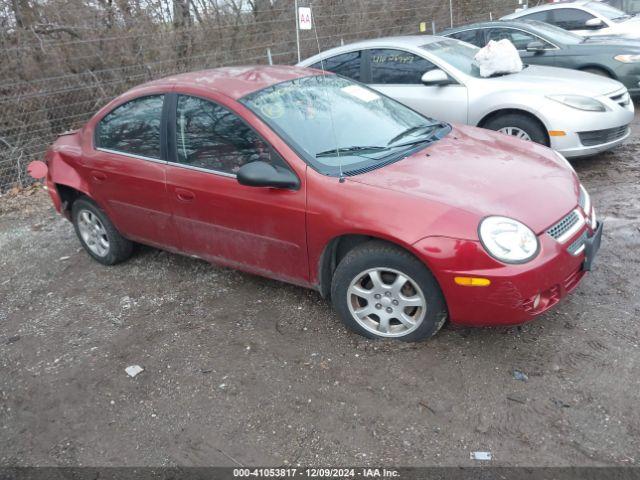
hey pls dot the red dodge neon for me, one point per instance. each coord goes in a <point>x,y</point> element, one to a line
<point>319,181</point>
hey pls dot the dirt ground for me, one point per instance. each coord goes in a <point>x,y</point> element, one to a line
<point>240,370</point>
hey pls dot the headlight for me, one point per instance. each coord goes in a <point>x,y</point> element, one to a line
<point>585,200</point>
<point>628,58</point>
<point>564,161</point>
<point>508,240</point>
<point>581,103</point>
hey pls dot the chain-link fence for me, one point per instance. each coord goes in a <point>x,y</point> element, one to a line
<point>55,74</point>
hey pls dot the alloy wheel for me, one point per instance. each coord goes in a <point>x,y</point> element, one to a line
<point>93,233</point>
<point>386,302</point>
<point>516,132</point>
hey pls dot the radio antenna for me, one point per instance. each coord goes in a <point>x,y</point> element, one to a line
<point>333,126</point>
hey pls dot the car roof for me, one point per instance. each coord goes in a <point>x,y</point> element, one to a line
<point>547,6</point>
<point>234,82</point>
<point>516,23</point>
<point>384,42</point>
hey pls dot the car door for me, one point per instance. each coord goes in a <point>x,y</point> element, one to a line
<point>126,170</point>
<point>521,40</point>
<point>261,230</point>
<point>397,73</point>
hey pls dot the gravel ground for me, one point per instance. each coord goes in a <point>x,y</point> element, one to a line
<point>240,370</point>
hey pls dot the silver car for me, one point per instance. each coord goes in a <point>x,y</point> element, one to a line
<point>585,17</point>
<point>575,113</point>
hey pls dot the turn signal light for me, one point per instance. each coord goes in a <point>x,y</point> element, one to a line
<point>472,281</point>
<point>557,133</point>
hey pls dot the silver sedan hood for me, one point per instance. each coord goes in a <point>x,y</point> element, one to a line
<point>552,80</point>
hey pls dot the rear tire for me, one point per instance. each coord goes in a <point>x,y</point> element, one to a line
<point>382,291</point>
<point>97,234</point>
<point>520,126</point>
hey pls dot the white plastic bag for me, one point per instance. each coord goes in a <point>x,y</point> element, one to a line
<point>498,58</point>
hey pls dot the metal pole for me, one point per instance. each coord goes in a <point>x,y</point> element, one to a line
<point>451,11</point>
<point>295,4</point>
<point>491,16</point>
<point>269,56</point>
<point>433,26</point>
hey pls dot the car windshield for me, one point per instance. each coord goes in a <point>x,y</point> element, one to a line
<point>553,33</point>
<point>458,54</point>
<point>338,125</point>
<point>607,11</point>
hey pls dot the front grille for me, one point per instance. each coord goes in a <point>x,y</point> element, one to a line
<point>622,99</point>
<point>576,246</point>
<point>598,137</point>
<point>564,225</point>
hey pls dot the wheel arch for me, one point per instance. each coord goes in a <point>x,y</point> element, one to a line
<point>506,111</point>
<point>336,249</point>
<point>602,68</point>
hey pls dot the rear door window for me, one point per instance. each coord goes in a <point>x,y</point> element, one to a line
<point>473,37</point>
<point>389,66</point>
<point>346,64</point>
<point>133,128</point>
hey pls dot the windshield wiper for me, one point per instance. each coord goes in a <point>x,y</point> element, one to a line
<point>409,131</point>
<point>428,138</point>
<point>359,149</point>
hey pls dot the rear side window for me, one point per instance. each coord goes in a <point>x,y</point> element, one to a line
<point>570,18</point>
<point>211,137</point>
<point>397,67</point>
<point>346,64</point>
<point>133,128</point>
<point>543,16</point>
<point>469,36</point>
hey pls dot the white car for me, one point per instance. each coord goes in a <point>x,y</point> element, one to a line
<point>575,113</point>
<point>589,18</point>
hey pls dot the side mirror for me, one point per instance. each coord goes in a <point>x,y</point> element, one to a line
<point>594,23</point>
<point>535,47</point>
<point>263,174</point>
<point>436,77</point>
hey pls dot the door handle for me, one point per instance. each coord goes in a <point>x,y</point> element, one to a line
<point>98,177</point>
<point>185,195</point>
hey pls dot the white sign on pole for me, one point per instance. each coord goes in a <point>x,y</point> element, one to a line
<point>304,18</point>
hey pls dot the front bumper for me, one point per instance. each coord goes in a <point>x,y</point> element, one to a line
<point>517,293</point>
<point>577,124</point>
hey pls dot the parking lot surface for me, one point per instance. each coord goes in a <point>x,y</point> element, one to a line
<point>240,370</point>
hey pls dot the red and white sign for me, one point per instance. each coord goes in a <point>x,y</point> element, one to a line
<point>304,18</point>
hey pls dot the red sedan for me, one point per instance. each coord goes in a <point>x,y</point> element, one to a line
<point>317,180</point>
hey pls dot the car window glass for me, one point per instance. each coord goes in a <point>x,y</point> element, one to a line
<point>211,137</point>
<point>570,18</point>
<point>519,38</point>
<point>133,128</point>
<point>397,67</point>
<point>346,64</point>
<point>542,16</point>
<point>469,36</point>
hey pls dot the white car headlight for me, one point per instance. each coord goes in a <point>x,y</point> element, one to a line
<point>628,58</point>
<point>580,102</point>
<point>508,240</point>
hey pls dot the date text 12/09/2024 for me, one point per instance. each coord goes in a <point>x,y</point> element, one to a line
<point>315,473</point>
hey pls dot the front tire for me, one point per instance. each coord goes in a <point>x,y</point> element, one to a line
<point>97,234</point>
<point>519,126</point>
<point>382,291</point>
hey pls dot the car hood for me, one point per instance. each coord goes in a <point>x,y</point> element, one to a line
<point>485,173</point>
<point>610,41</point>
<point>552,80</point>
